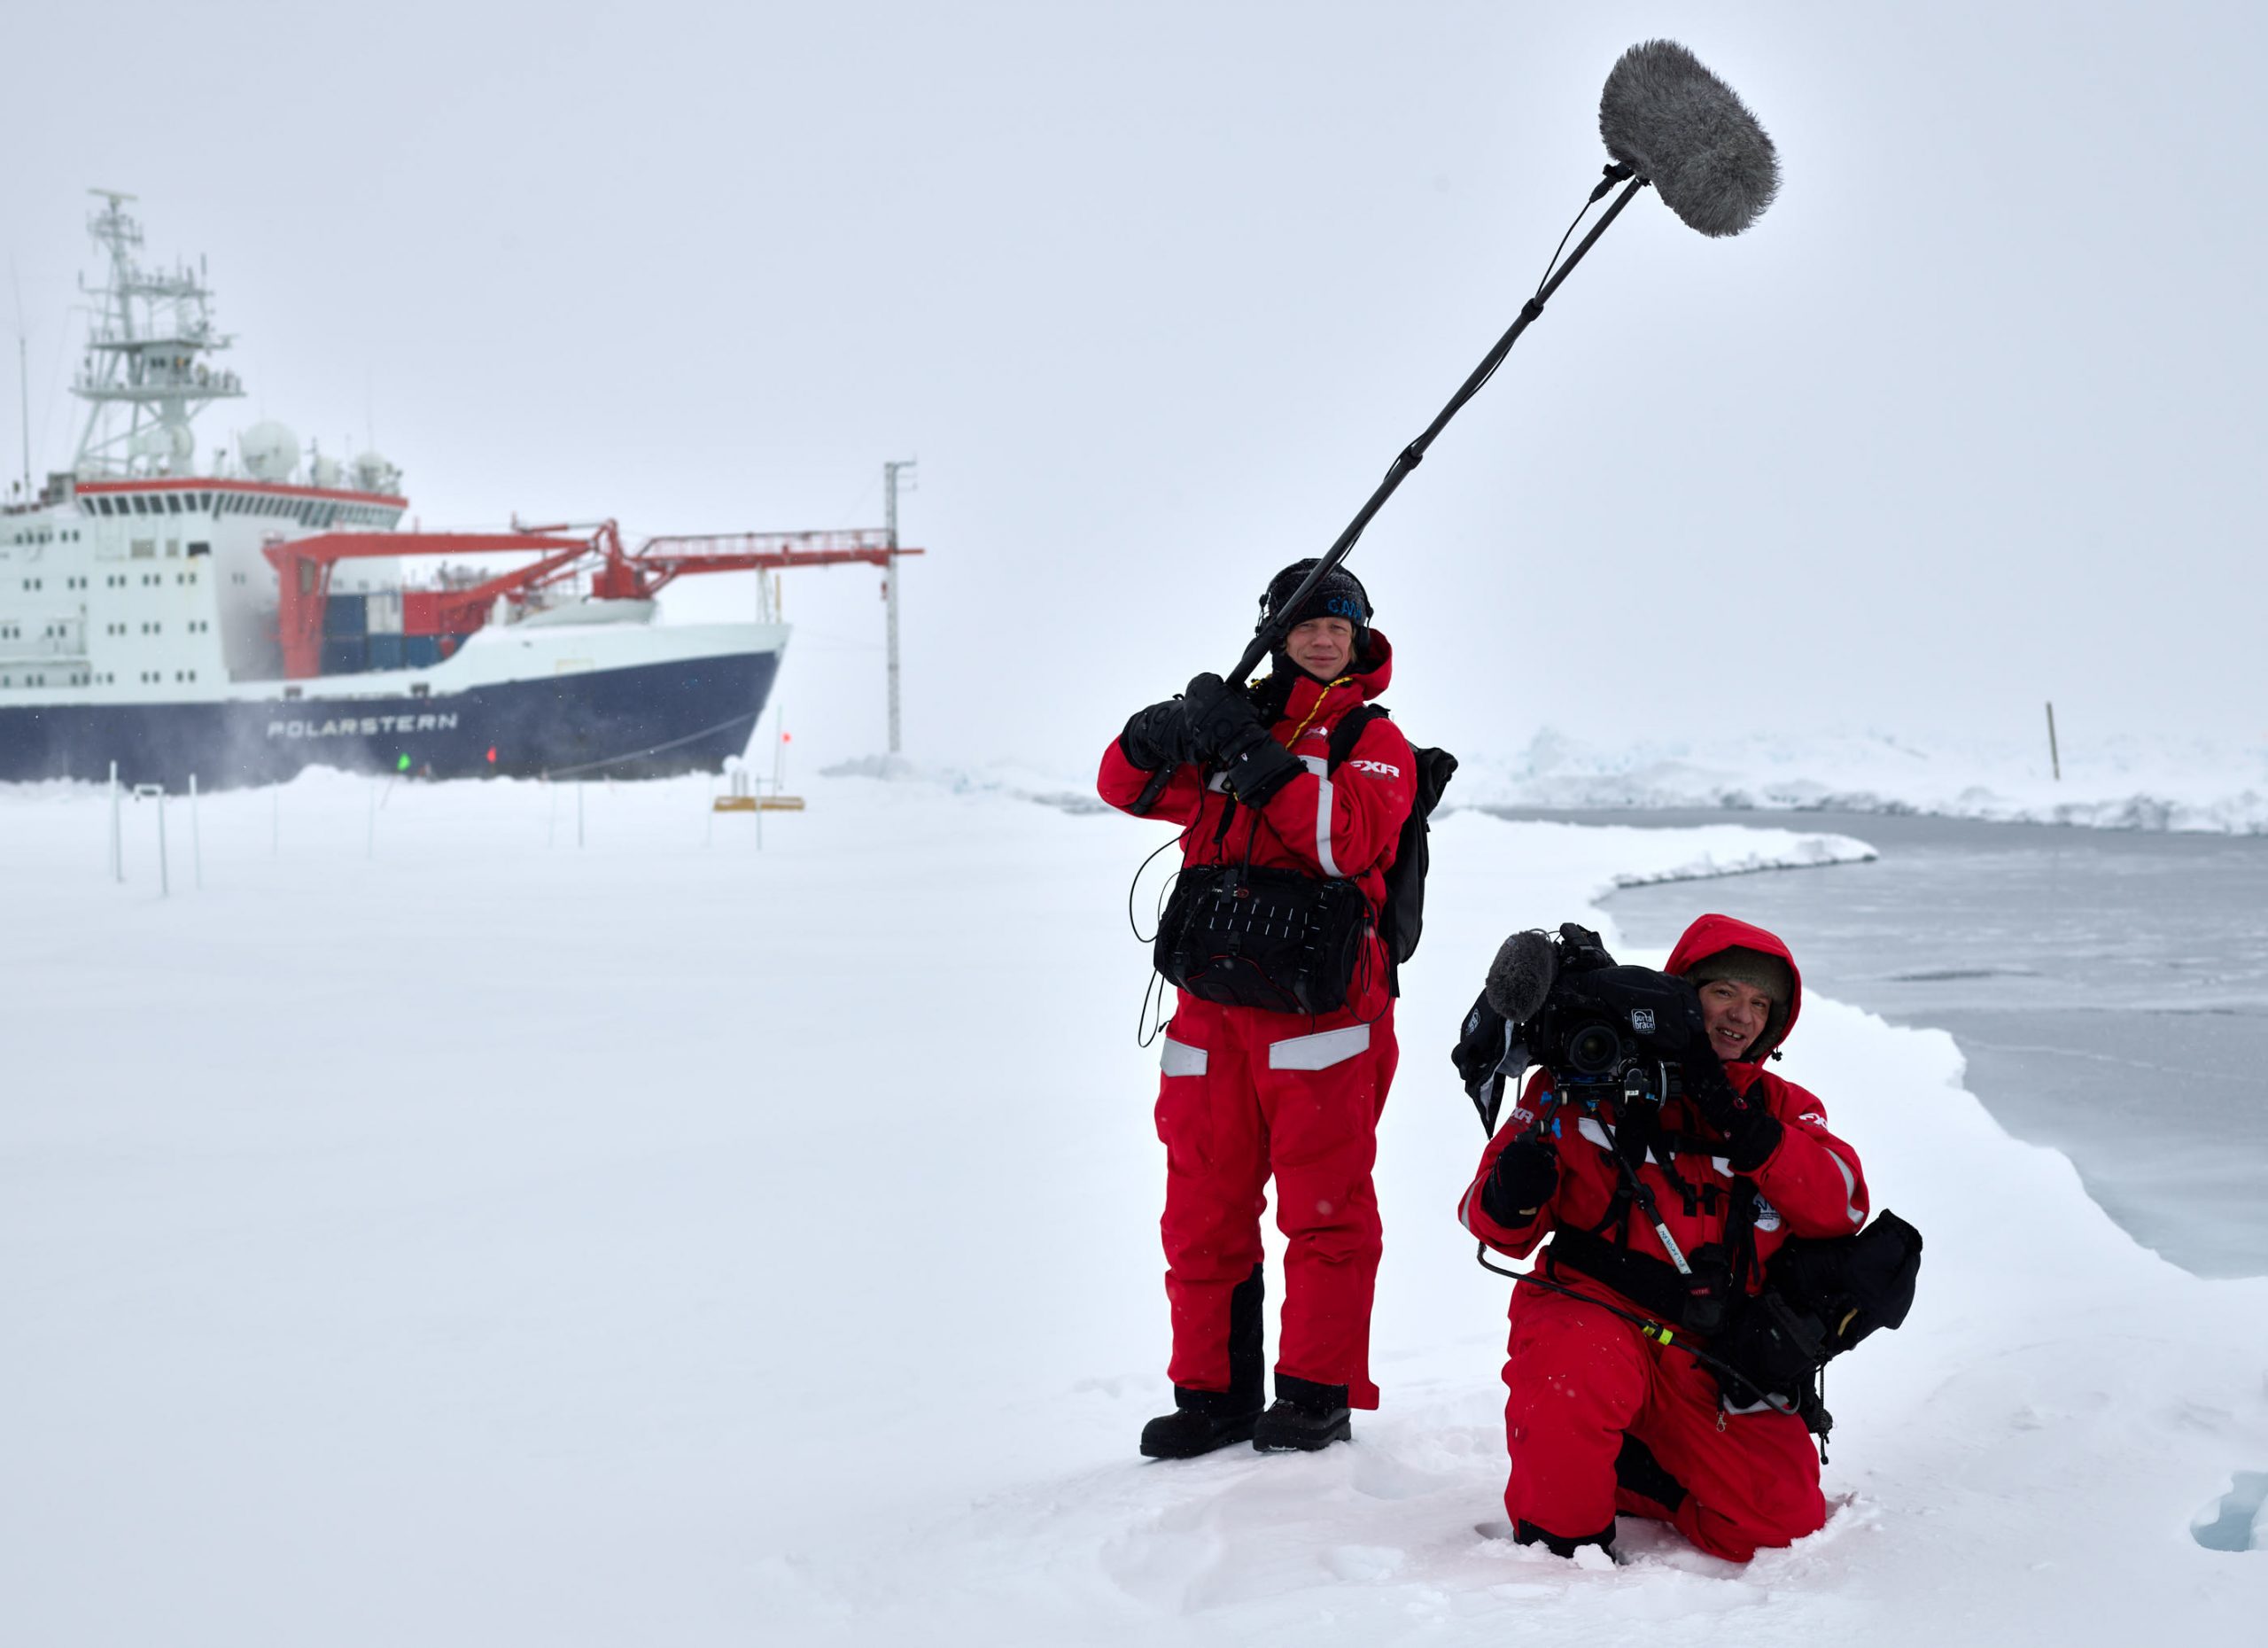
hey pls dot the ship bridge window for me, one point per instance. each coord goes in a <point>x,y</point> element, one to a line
<point>140,505</point>
<point>200,548</point>
<point>173,503</point>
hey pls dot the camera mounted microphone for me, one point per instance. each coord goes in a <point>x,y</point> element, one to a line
<point>1520,976</point>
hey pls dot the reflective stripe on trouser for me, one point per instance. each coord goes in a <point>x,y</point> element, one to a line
<point>1231,1115</point>
<point>1580,1379</point>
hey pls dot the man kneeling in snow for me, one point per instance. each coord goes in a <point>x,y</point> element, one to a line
<point>1602,1417</point>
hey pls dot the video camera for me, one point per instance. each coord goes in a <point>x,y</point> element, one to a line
<point>1560,1001</point>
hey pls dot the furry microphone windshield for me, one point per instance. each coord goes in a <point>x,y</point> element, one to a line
<point>1520,976</point>
<point>1675,124</point>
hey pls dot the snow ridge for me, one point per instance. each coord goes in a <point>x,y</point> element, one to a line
<point>2122,784</point>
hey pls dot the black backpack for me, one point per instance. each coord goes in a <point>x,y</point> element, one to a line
<point>1404,920</point>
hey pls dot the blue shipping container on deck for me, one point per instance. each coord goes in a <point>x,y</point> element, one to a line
<point>344,615</point>
<point>344,655</point>
<point>421,652</point>
<point>385,652</point>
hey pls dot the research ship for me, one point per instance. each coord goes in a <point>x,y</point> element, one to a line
<point>239,620</point>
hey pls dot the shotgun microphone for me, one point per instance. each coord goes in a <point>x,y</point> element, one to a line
<point>1667,122</point>
<point>1673,122</point>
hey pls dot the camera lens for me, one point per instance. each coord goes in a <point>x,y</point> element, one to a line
<point>1592,1049</point>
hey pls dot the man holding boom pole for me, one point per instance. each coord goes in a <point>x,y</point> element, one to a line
<point>1291,794</point>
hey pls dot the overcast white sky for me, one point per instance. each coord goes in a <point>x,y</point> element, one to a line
<point>1972,418</point>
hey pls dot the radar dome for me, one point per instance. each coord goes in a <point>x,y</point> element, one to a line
<point>374,473</point>
<point>270,450</point>
<point>324,473</point>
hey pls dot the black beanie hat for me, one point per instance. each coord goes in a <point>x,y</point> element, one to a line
<point>1340,594</point>
<point>1758,971</point>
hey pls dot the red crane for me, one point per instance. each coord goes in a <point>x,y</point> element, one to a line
<point>303,567</point>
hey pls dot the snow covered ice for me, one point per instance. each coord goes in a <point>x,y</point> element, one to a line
<point>438,1232</point>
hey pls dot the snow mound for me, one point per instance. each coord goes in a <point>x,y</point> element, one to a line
<point>2123,784</point>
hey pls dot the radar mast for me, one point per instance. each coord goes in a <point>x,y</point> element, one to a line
<point>145,356</point>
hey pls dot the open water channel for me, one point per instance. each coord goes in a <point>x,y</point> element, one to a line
<point>2110,988</point>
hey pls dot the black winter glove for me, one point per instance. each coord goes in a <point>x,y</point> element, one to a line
<point>1225,726</point>
<point>1525,1174</point>
<point>1158,736</point>
<point>1752,1132</point>
<point>1219,715</point>
<point>1259,767</point>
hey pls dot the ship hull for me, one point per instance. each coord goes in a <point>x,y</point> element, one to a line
<point>640,720</point>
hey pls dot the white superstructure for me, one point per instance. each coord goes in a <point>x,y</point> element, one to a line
<point>137,573</point>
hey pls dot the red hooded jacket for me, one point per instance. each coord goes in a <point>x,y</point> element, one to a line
<point>1343,822</point>
<point>1810,1185</point>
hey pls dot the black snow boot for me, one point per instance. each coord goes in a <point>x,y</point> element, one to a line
<point>1638,1471</point>
<point>1202,1420</point>
<point>1306,1416</point>
<point>1529,1533</point>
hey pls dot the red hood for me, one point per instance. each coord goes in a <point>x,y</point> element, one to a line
<point>1711,934</point>
<point>1368,678</point>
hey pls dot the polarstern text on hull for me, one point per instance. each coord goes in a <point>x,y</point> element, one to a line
<point>242,612</point>
<point>368,726</point>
